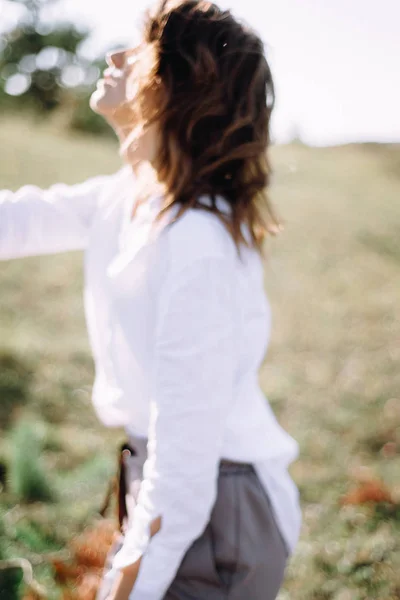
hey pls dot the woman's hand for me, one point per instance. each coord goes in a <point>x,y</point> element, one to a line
<point>124,582</point>
<point>127,576</point>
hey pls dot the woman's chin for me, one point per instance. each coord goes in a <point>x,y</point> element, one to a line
<point>98,103</point>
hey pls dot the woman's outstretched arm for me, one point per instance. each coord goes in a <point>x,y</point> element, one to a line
<point>35,221</point>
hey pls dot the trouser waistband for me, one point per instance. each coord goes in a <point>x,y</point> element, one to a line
<point>138,447</point>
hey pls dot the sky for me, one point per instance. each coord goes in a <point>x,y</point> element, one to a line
<point>336,63</point>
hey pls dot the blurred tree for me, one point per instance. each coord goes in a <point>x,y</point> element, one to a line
<point>41,67</point>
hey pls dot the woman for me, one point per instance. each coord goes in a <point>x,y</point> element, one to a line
<point>176,311</point>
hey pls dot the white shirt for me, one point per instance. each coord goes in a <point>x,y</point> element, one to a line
<point>179,326</point>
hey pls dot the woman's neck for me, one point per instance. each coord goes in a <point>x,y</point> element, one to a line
<point>146,184</point>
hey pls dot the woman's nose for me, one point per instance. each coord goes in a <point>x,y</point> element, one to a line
<point>116,59</point>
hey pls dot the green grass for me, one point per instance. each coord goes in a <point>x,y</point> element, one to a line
<point>331,372</point>
<point>28,480</point>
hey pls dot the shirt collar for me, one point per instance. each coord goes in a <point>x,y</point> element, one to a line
<point>221,203</point>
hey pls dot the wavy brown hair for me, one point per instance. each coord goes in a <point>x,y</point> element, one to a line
<point>214,97</point>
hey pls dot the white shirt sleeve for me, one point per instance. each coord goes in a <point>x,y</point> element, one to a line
<point>193,383</point>
<point>35,221</point>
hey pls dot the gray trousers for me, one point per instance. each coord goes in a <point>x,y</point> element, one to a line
<point>240,555</point>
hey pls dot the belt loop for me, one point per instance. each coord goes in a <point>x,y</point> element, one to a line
<point>117,486</point>
<point>124,450</point>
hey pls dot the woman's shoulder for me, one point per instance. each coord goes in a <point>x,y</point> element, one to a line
<point>197,234</point>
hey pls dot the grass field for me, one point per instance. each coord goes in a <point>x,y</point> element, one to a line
<point>331,373</point>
